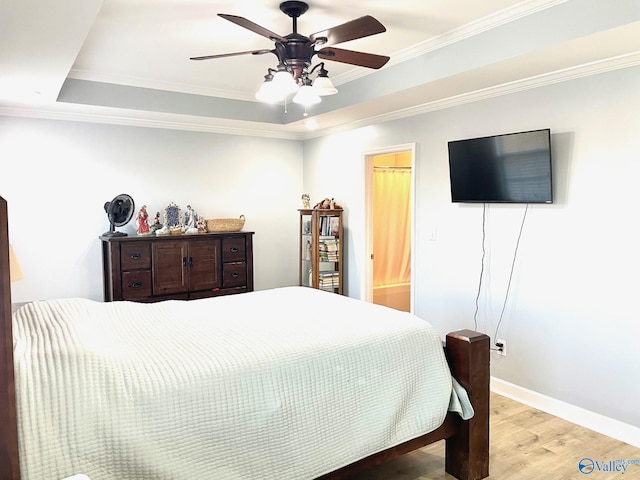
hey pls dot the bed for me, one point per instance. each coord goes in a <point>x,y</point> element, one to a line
<point>287,383</point>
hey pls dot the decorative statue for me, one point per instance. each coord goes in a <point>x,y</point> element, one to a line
<point>306,201</point>
<point>327,204</point>
<point>190,224</point>
<point>323,204</point>
<point>190,218</point>
<point>142,221</point>
<point>201,225</point>
<point>156,224</point>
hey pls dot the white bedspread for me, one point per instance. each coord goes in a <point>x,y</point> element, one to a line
<point>288,383</point>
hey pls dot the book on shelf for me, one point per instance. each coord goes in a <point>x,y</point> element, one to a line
<point>329,280</point>
<point>329,225</point>
<point>334,226</point>
<point>328,248</point>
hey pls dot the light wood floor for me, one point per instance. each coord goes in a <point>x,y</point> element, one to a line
<point>525,444</point>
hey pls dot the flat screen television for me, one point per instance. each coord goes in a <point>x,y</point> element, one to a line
<point>508,168</point>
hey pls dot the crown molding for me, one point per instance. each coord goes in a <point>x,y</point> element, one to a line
<point>176,122</point>
<point>563,75</point>
<point>154,84</point>
<point>172,122</point>
<point>502,17</point>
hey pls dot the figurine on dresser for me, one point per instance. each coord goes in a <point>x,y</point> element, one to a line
<point>190,223</point>
<point>142,221</point>
<point>156,224</point>
<point>202,228</point>
<point>190,217</point>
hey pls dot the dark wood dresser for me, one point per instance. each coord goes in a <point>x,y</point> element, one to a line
<point>177,267</point>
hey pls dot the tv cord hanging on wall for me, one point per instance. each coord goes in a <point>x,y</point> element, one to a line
<point>515,254</point>
<point>475,315</point>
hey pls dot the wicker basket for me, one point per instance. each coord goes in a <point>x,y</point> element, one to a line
<point>225,224</point>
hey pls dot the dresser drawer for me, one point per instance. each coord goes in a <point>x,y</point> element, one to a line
<point>136,284</point>
<point>135,256</point>
<point>234,275</point>
<point>233,249</point>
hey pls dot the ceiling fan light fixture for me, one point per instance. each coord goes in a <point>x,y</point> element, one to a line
<point>306,95</point>
<point>268,91</point>
<point>268,94</point>
<point>324,86</point>
<point>283,81</point>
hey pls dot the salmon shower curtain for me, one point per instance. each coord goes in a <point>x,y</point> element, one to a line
<point>391,226</point>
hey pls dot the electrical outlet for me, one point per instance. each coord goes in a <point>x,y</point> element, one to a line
<point>501,345</point>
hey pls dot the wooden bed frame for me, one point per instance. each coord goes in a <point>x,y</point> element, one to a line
<point>467,442</point>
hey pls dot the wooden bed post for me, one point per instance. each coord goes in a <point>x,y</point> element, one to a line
<point>9,465</point>
<point>467,452</point>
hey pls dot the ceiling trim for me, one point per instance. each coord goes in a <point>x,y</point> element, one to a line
<point>153,84</point>
<point>503,17</point>
<point>563,75</point>
<point>173,122</point>
<point>247,129</point>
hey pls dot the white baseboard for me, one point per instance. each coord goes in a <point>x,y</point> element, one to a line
<point>585,418</point>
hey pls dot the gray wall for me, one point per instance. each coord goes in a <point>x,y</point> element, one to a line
<point>571,321</point>
<point>57,176</point>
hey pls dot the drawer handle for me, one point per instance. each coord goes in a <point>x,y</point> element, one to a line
<point>187,261</point>
<point>135,285</point>
<point>135,256</point>
<point>234,249</point>
<point>235,274</point>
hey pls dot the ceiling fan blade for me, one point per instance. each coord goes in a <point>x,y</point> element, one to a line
<point>254,27</point>
<point>358,28</point>
<point>222,55</point>
<point>354,58</point>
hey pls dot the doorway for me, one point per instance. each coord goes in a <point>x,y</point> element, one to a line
<point>389,187</point>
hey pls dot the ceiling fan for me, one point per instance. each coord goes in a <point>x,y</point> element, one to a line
<point>295,51</point>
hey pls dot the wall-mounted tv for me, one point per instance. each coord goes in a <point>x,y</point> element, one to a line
<point>508,168</point>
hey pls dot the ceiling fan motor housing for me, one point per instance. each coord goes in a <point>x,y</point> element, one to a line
<point>296,53</point>
<point>293,8</point>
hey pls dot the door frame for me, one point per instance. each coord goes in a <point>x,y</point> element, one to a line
<point>366,292</point>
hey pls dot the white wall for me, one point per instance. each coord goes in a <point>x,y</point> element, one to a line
<point>56,177</point>
<point>571,321</point>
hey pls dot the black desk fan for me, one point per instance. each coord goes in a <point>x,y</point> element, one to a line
<point>119,212</point>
